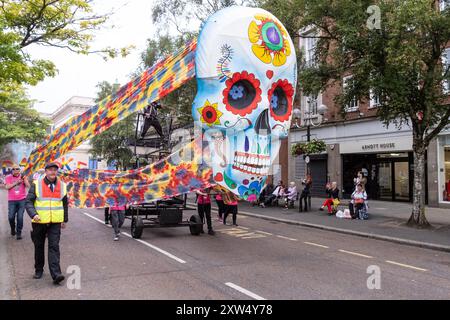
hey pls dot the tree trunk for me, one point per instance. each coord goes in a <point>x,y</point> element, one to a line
<point>418,218</point>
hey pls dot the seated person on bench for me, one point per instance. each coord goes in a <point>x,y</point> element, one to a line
<point>359,196</point>
<point>276,195</point>
<point>290,195</point>
<point>151,119</point>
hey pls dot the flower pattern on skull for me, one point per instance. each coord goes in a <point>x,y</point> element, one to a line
<point>269,40</point>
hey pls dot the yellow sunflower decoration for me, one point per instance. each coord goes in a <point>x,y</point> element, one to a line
<point>270,40</point>
<point>210,115</point>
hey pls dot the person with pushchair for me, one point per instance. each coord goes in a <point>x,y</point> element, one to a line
<point>357,205</point>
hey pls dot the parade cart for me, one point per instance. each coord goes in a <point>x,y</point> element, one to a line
<point>162,214</point>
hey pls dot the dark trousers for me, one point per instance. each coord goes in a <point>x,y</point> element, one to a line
<point>107,216</point>
<point>269,199</point>
<point>230,210</point>
<point>205,210</point>
<point>53,232</point>
<point>152,122</point>
<point>15,211</point>
<point>354,209</point>
<point>221,207</point>
<point>117,220</point>
<point>303,198</point>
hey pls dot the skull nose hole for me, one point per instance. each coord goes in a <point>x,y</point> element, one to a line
<point>262,125</point>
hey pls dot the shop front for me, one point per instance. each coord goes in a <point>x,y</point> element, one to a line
<point>387,165</point>
<point>444,168</point>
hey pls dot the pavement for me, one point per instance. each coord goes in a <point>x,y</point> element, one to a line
<point>387,221</point>
<point>259,259</point>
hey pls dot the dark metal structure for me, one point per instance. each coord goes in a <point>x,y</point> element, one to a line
<point>161,213</point>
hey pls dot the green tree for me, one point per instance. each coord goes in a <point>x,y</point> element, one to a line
<point>18,121</point>
<point>68,24</point>
<point>183,14</point>
<point>178,103</point>
<point>112,144</point>
<point>394,50</point>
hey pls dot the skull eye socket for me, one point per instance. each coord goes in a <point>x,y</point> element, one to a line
<point>280,99</point>
<point>242,93</point>
<point>279,102</point>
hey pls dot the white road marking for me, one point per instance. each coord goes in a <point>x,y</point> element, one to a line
<point>263,232</point>
<point>282,237</point>
<point>316,245</point>
<point>141,241</point>
<point>243,228</point>
<point>161,251</point>
<point>97,219</point>
<point>356,254</point>
<point>244,291</point>
<point>405,265</point>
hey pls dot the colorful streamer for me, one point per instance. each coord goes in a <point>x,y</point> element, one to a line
<point>155,83</point>
<point>182,172</point>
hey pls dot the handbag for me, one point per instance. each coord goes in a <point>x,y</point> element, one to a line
<point>359,200</point>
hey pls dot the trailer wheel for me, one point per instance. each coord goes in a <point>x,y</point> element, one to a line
<point>195,225</point>
<point>137,227</point>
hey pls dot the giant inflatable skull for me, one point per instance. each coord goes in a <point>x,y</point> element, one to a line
<point>246,75</point>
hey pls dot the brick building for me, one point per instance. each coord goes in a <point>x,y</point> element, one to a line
<point>362,142</point>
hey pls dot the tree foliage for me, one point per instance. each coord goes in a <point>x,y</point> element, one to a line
<point>112,144</point>
<point>68,24</point>
<point>394,50</point>
<point>18,121</point>
<point>178,103</point>
<point>183,14</point>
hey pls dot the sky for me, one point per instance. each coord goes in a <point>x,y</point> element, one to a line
<point>79,74</point>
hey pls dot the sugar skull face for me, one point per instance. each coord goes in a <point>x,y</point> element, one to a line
<point>246,75</point>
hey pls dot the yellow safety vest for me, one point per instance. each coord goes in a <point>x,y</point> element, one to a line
<point>48,204</point>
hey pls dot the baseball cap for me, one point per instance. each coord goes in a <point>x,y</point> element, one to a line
<point>51,165</point>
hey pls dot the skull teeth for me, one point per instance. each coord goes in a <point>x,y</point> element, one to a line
<point>254,164</point>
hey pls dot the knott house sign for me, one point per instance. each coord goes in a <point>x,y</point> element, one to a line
<point>379,144</point>
<point>376,146</point>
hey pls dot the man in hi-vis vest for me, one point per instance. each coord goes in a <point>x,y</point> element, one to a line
<point>47,206</point>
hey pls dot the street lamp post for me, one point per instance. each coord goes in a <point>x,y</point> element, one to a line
<point>309,117</point>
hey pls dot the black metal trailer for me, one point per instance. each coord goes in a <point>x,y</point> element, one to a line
<point>162,214</point>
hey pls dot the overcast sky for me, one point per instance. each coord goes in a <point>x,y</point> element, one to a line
<point>79,74</point>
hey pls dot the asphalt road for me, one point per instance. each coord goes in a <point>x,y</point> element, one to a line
<point>257,260</point>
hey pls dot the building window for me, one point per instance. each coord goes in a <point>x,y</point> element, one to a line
<point>309,43</point>
<point>310,105</point>
<point>444,4</point>
<point>353,105</point>
<point>374,99</point>
<point>445,69</point>
<point>93,164</point>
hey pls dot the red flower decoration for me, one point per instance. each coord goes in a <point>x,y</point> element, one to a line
<point>288,93</point>
<point>246,98</point>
